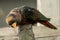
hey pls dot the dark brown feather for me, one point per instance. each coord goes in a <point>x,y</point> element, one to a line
<point>47,24</point>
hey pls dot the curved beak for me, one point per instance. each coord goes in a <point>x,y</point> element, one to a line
<point>14,25</point>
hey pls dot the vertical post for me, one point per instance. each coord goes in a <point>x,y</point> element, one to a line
<point>26,32</point>
<point>39,8</point>
<point>39,5</point>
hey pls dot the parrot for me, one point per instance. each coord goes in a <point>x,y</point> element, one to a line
<point>25,15</point>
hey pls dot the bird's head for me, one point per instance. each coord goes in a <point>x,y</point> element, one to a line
<point>13,18</point>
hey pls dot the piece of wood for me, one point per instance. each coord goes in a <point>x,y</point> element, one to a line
<point>26,32</point>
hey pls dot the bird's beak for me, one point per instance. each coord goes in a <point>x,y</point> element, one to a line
<point>14,25</point>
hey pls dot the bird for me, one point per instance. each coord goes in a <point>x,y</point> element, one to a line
<point>25,15</point>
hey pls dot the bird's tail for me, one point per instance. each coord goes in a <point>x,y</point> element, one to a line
<point>47,24</point>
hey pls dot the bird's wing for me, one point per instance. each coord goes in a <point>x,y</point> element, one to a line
<point>43,20</point>
<point>40,15</point>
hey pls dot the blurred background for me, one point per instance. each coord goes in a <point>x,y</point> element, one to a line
<point>49,8</point>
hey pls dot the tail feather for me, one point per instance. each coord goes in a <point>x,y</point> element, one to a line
<point>47,24</point>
